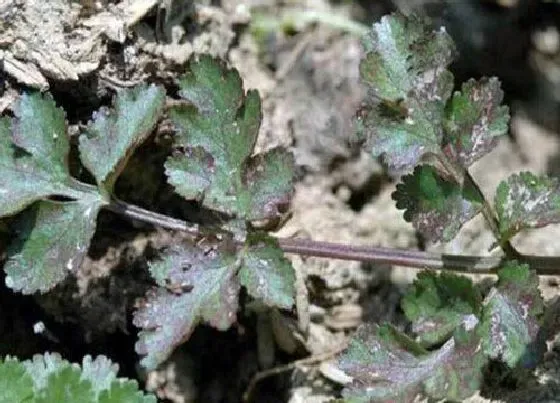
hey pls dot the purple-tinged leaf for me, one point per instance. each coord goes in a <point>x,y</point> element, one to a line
<point>405,70</point>
<point>437,305</point>
<point>475,120</point>
<point>202,286</point>
<point>113,135</point>
<point>510,322</point>
<point>437,207</point>
<point>33,154</point>
<point>387,366</point>
<point>267,274</point>
<point>526,201</point>
<point>52,240</point>
<point>215,141</point>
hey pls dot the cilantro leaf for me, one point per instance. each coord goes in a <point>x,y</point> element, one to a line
<point>215,140</point>
<point>402,54</point>
<point>33,154</point>
<point>16,385</point>
<point>437,305</point>
<point>203,287</point>
<point>405,70</point>
<point>387,366</point>
<point>52,240</point>
<point>510,322</point>
<point>475,120</point>
<point>112,136</point>
<point>525,201</point>
<point>267,274</point>
<point>437,207</point>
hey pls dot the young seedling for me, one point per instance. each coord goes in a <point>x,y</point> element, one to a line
<point>411,118</point>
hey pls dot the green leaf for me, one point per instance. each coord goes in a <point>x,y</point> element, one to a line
<point>475,120</point>
<point>386,366</point>
<point>525,201</point>
<point>401,51</point>
<point>215,141</point>
<point>40,367</point>
<point>16,385</point>
<point>267,274</point>
<point>405,70</point>
<point>510,321</point>
<point>125,392</point>
<point>50,379</point>
<point>437,305</point>
<point>66,385</point>
<point>437,207</point>
<point>202,287</point>
<point>112,136</point>
<point>101,372</point>
<point>33,154</point>
<point>52,240</point>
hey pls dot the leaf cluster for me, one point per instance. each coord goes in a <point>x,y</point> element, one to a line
<point>48,378</point>
<point>421,127</point>
<point>432,135</point>
<point>456,333</point>
<point>53,214</point>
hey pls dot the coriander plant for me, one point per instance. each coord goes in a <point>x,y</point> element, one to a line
<point>412,117</point>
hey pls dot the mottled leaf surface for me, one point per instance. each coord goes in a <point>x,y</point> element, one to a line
<point>386,366</point>
<point>52,240</point>
<point>202,286</point>
<point>525,200</point>
<point>405,70</point>
<point>510,324</point>
<point>475,120</point>
<point>267,274</point>
<point>437,207</point>
<point>33,154</point>
<point>48,378</point>
<point>215,141</point>
<point>437,305</point>
<point>113,135</point>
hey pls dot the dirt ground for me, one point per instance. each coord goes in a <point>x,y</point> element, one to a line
<point>303,57</point>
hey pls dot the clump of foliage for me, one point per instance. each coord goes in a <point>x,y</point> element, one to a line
<point>48,378</point>
<point>421,127</point>
<point>412,118</point>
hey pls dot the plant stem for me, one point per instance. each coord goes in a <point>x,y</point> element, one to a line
<point>401,257</point>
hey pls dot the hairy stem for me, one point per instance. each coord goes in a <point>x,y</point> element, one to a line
<point>392,256</point>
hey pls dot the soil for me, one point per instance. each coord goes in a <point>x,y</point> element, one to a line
<point>305,67</point>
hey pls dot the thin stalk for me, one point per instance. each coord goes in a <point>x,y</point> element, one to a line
<point>401,257</point>
<point>462,176</point>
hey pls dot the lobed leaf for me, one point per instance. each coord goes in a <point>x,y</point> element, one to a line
<point>48,378</point>
<point>216,136</point>
<point>386,366</point>
<point>437,207</point>
<point>202,287</point>
<point>33,154</point>
<point>510,322</point>
<point>267,274</point>
<point>52,240</point>
<point>112,136</point>
<point>437,305</point>
<point>475,120</point>
<point>405,70</point>
<point>525,201</point>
